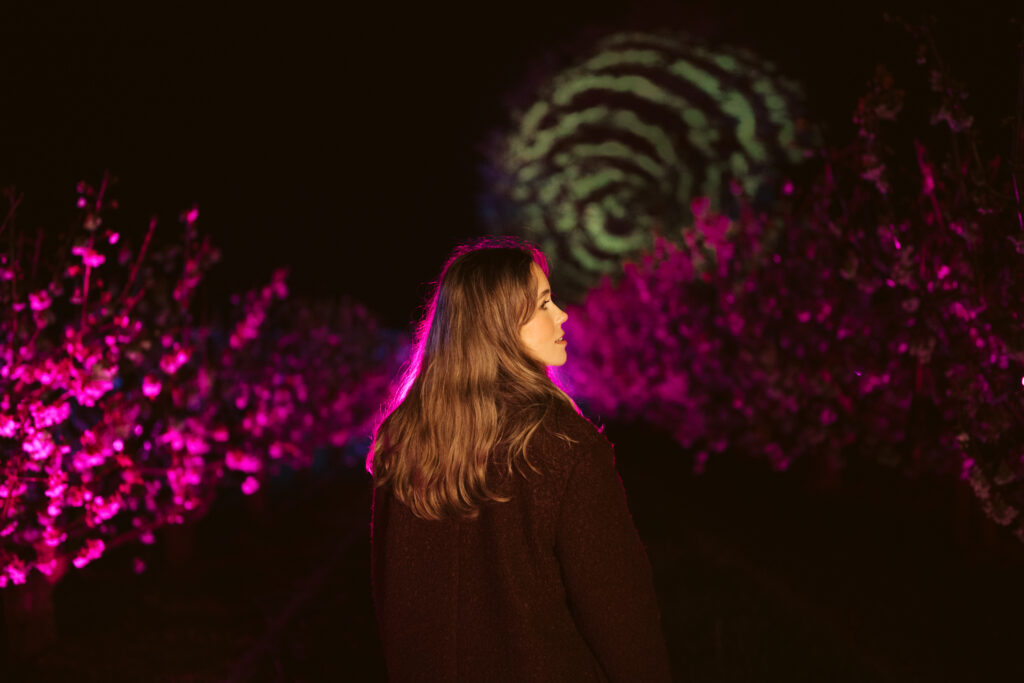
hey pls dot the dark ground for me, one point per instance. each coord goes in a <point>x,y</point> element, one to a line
<point>761,578</point>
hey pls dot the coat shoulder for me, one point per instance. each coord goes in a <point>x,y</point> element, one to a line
<point>583,437</point>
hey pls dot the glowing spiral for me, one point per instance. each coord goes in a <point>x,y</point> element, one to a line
<point>614,147</point>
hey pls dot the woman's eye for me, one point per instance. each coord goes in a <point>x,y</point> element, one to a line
<point>544,306</point>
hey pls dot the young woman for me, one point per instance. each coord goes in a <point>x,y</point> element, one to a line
<point>503,549</point>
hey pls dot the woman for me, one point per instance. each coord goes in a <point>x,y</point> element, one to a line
<point>503,549</point>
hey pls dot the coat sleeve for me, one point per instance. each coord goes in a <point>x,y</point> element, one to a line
<point>606,572</point>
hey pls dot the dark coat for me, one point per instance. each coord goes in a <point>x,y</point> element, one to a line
<point>553,585</point>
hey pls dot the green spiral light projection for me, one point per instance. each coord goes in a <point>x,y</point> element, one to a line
<point>612,149</point>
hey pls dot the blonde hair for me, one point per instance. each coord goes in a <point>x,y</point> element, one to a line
<point>471,390</point>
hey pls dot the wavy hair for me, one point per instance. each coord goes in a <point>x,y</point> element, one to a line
<point>471,395</point>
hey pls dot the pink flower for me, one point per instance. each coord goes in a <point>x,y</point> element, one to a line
<point>151,386</point>
<point>57,484</point>
<point>250,486</point>
<point>46,568</point>
<point>39,301</point>
<point>171,362</point>
<point>17,570</point>
<point>89,256</point>
<point>94,547</point>
<point>8,426</point>
<point>699,206</point>
<point>39,446</point>
<point>242,462</point>
<point>53,537</point>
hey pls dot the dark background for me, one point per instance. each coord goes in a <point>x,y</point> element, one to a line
<point>343,140</point>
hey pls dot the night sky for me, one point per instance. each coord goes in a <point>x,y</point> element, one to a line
<point>343,141</point>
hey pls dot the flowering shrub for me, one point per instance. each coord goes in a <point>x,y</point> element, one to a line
<point>875,314</point>
<point>119,413</point>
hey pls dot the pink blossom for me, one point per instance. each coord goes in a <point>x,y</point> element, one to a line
<point>151,386</point>
<point>44,416</point>
<point>174,437</point>
<point>85,460</point>
<point>39,446</point>
<point>57,484</point>
<point>89,256</point>
<point>250,486</point>
<point>699,206</point>
<point>196,445</point>
<point>100,510</point>
<point>94,547</point>
<point>53,537</point>
<point>47,567</point>
<point>39,301</point>
<point>8,426</point>
<point>171,362</point>
<point>16,571</point>
<point>242,462</point>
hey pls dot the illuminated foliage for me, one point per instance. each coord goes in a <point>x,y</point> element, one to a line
<point>877,313</point>
<point>120,413</point>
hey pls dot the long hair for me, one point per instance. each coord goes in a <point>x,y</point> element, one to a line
<point>471,394</point>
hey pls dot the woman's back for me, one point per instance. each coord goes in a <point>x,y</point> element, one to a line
<point>552,585</point>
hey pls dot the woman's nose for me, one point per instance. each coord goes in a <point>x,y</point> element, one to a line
<point>565,316</point>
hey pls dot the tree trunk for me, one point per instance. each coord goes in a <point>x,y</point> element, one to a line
<point>179,542</point>
<point>29,617</point>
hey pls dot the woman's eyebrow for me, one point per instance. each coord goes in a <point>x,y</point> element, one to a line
<point>544,294</point>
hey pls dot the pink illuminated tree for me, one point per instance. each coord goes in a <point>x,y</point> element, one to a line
<point>874,312</point>
<point>120,412</point>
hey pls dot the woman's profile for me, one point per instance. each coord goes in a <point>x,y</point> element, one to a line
<point>502,545</point>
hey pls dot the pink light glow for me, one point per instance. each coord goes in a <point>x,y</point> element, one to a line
<point>242,462</point>
<point>94,547</point>
<point>39,301</point>
<point>89,256</point>
<point>151,386</point>
<point>16,570</point>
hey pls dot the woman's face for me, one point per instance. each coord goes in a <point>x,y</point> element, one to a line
<point>542,334</point>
